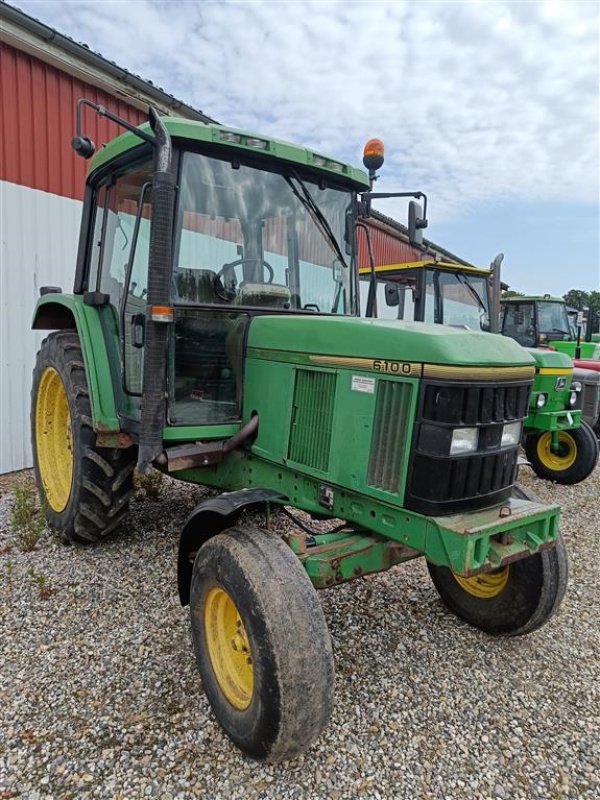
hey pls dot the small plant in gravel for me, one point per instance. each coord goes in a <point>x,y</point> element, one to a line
<point>150,483</point>
<point>26,518</point>
<point>44,589</point>
<point>10,569</point>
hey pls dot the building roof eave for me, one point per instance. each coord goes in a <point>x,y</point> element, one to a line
<point>45,43</point>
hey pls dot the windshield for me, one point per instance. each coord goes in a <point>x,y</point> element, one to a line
<point>457,298</point>
<point>553,320</point>
<point>518,322</point>
<point>250,237</point>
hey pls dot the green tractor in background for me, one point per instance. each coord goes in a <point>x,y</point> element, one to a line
<point>559,444</point>
<point>213,331</point>
<point>548,322</point>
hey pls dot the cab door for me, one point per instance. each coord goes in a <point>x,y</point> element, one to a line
<point>118,273</point>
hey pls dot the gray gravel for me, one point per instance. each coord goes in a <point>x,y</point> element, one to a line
<point>100,698</point>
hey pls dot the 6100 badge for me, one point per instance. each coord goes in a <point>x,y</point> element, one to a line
<point>393,367</point>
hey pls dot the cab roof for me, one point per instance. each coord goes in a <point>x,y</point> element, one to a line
<point>443,265</point>
<point>533,299</point>
<point>225,137</point>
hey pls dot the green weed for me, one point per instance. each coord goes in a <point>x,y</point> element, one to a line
<point>26,518</point>
<point>150,483</point>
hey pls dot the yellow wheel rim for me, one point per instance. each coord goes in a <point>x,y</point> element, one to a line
<point>228,648</point>
<point>54,439</point>
<point>564,458</point>
<point>486,585</point>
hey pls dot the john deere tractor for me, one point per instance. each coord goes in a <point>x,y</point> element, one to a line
<point>213,332</point>
<point>547,321</point>
<point>559,444</point>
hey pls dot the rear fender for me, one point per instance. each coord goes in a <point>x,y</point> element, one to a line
<point>207,520</point>
<point>68,312</point>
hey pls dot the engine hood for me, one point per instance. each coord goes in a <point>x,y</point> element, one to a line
<point>550,359</point>
<point>353,337</point>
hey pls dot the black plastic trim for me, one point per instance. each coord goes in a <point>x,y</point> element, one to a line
<point>210,518</point>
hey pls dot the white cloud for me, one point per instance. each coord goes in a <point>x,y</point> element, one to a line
<point>476,102</point>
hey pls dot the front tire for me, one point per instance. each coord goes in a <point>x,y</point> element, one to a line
<point>575,459</point>
<point>261,643</point>
<point>84,489</point>
<point>513,600</point>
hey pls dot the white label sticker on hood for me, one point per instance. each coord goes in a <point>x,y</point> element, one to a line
<point>362,384</point>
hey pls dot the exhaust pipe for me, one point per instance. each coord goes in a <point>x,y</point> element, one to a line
<point>159,312</point>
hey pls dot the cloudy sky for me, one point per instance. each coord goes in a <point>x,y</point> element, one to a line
<point>491,108</point>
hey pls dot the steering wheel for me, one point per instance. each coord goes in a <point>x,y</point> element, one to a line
<point>226,268</point>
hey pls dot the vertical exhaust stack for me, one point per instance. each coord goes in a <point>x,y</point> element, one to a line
<point>159,314</point>
<point>496,287</point>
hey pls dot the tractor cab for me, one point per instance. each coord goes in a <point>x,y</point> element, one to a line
<point>430,291</point>
<point>259,227</point>
<point>535,321</point>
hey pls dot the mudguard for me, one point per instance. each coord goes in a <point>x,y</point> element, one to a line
<point>57,311</point>
<point>209,518</point>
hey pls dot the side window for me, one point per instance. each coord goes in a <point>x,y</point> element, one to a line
<point>119,260</point>
<point>100,202</point>
<point>118,229</point>
<point>133,314</point>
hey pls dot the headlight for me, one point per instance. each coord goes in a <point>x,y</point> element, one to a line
<point>572,399</point>
<point>464,440</point>
<point>541,400</point>
<point>511,434</point>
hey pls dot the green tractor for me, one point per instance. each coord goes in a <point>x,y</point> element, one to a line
<point>548,322</point>
<point>213,331</point>
<point>559,444</point>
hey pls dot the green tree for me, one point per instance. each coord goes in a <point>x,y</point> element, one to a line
<point>577,298</point>
<point>512,293</point>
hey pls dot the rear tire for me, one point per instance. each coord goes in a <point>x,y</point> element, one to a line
<point>513,600</point>
<point>85,489</point>
<point>261,643</point>
<point>575,460</point>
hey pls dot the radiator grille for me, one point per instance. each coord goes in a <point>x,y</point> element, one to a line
<point>390,431</point>
<point>312,418</point>
<point>442,483</point>
<point>590,402</point>
<point>473,405</point>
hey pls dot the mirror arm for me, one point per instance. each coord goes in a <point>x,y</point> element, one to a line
<point>366,198</point>
<point>102,111</point>
<point>371,310</point>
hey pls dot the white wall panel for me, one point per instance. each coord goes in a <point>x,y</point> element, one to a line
<point>39,233</point>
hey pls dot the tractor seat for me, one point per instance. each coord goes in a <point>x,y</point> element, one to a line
<point>198,286</point>
<point>270,295</point>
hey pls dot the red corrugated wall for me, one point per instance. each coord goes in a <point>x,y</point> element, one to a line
<point>387,248</point>
<point>37,123</point>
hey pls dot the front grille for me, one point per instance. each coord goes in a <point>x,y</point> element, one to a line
<point>475,405</point>
<point>390,431</point>
<point>443,484</point>
<point>590,400</point>
<point>312,418</point>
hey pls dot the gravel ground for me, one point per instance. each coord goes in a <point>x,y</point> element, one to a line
<point>100,698</point>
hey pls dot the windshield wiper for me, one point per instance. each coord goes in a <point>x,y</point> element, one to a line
<point>309,203</point>
<point>466,282</point>
<point>559,330</point>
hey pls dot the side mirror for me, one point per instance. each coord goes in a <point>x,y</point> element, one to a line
<point>416,223</point>
<point>83,146</point>
<point>392,295</point>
